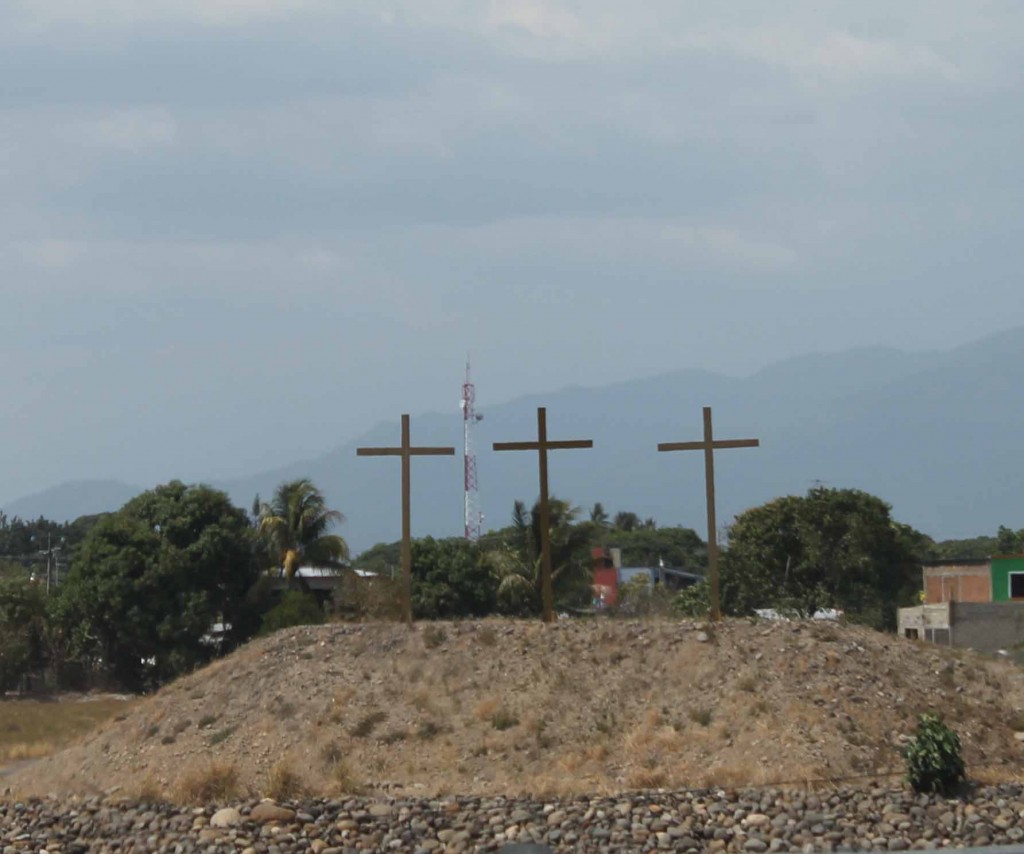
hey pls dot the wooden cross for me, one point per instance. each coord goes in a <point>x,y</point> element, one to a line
<point>405,452</point>
<point>709,446</point>
<point>542,446</point>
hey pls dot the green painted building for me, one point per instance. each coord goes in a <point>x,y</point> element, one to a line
<point>1007,578</point>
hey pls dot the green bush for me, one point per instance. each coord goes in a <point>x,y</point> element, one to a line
<point>932,758</point>
<point>693,601</point>
<point>295,609</point>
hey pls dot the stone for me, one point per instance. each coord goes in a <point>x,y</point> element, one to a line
<point>226,817</point>
<point>266,812</point>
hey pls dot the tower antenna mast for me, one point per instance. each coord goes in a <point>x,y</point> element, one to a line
<point>474,518</point>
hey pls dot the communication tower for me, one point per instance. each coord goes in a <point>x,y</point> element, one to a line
<point>474,518</point>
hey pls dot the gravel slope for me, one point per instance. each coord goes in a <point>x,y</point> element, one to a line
<point>507,707</point>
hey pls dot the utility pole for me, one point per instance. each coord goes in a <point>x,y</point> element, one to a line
<point>52,566</point>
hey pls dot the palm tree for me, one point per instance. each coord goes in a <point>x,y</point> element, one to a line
<point>626,520</point>
<point>518,565</point>
<point>294,527</point>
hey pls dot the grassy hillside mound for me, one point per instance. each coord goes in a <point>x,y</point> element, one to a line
<point>517,707</point>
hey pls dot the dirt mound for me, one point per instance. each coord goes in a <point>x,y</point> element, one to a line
<point>517,707</point>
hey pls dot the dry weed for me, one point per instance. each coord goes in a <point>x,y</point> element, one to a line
<point>646,778</point>
<point>368,723</point>
<point>283,784</point>
<point>331,754</point>
<point>148,790</point>
<point>486,708</point>
<point>344,780</point>
<point>422,701</point>
<point>701,715</point>
<point>214,783</point>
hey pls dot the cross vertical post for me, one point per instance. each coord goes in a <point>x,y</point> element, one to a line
<point>542,446</point>
<point>406,451</point>
<point>709,445</point>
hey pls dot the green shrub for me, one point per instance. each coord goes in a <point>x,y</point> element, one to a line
<point>932,757</point>
<point>693,601</point>
<point>295,609</point>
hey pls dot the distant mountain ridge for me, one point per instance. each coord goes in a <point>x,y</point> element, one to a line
<point>935,434</point>
<point>67,501</point>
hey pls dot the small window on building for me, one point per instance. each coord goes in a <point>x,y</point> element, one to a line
<point>1017,585</point>
<point>911,634</point>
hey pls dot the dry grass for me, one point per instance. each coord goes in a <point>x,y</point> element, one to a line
<point>344,780</point>
<point>284,784</point>
<point>213,783</point>
<point>30,729</point>
<point>148,791</point>
<point>602,706</point>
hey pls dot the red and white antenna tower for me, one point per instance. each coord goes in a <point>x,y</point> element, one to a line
<point>473,516</point>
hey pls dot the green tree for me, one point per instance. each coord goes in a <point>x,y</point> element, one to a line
<point>385,559</point>
<point>22,628</point>
<point>451,578</point>
<point>973,547</point>
<point>1009,541</point>
<point>294,528</point>
<point>296,608</point>
<point>649,546</point>
<point>516,557</point>
<point>834,548</point>
<point>626,520</point>
<point>150,580</point>
<point>599,516</point>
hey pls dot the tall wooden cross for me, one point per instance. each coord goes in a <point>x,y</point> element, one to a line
<point>709,446</point>
<point>542,446</point>
<point>406,451</point>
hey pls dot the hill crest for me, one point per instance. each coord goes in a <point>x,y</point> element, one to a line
<point>500,706</point>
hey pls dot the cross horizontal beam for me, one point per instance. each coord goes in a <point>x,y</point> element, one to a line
<point>398,452</point>
<point>547,446</point>
<point>717,444</point>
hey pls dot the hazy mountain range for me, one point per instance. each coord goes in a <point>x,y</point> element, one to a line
<point>937,435</point>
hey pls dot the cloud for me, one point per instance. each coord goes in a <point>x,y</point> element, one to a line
<point>33,15</point>
<point>626,243</point>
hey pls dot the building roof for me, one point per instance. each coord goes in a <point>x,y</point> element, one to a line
<point>628,572</point>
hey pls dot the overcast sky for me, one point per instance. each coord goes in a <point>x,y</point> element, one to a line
<point>234,233</point>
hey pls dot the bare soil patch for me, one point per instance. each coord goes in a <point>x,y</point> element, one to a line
<point>509,707</point>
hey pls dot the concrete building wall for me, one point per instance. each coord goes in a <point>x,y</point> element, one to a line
<point>987,627</point>
<point>925,622</point>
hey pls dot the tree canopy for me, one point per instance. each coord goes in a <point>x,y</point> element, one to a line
<point>151,580</point>
<point>451,578</point>
<point>833,548</point>
<point>22,628</point>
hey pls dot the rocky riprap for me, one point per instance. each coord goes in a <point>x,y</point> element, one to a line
<point>743,821</point>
